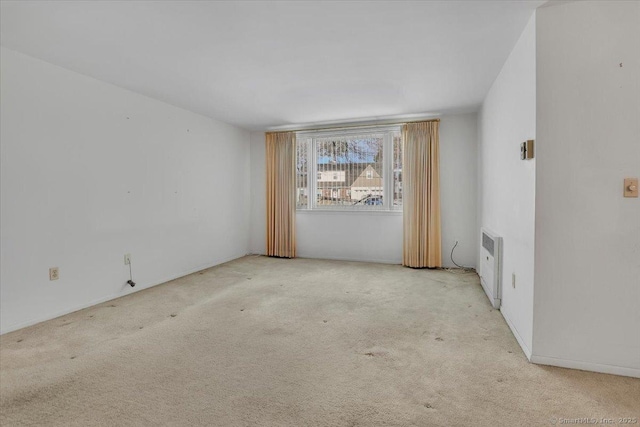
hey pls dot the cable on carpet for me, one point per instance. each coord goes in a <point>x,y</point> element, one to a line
<point>460,268</point>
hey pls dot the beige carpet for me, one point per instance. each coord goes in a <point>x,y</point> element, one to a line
<point>271,342</point>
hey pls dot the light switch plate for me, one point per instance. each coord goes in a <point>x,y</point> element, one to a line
<point>526,150</point>
<point>631,187</point>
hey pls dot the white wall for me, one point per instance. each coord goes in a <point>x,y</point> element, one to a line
<point>458,188</point>
<point>377,236</point>
<point>506,184</point>
<point>90,172</point>
<point>370,236</point>
<point>587,258</point>
<point>258,228</point>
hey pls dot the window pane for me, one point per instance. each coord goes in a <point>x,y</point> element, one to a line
<point>302,164</point>
<point>350,171</point>
<point>397,170</point>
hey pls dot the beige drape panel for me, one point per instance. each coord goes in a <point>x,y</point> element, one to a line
<point>281,202</point>
<point>421,193</point>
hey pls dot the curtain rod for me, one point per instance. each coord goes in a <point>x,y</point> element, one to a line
<point>353,126</point>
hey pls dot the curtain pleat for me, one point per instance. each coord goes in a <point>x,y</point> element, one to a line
<point>281,202</point>
<point>421,205</point>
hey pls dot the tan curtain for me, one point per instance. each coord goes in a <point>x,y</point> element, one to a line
<point>281,203</point>
<point>421,193</point>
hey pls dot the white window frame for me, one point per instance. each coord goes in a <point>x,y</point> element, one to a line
<point>311,138</point>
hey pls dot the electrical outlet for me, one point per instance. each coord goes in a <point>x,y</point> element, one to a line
<point>54,273</point>
<point>127,259</point>
<point>513,280</point>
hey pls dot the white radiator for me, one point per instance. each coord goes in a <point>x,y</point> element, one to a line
<point>490,266</point>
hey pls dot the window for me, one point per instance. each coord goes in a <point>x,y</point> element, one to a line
<point>353,169</point>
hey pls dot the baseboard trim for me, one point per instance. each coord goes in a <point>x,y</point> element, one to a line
<point>333,258</point>
<point>514,331</point>
<point>586,366</point>
<point>330,258</point>
<point>138,288</point>
<point>380,261</point>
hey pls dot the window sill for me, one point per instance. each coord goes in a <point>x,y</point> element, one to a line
<point>395,212</point>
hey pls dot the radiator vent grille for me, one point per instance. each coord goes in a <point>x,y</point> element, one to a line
<point>487,243</point>
<point>491,265</point>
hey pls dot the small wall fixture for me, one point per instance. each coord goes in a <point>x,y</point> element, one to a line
<point>526,150</point>
<point>631,187</point>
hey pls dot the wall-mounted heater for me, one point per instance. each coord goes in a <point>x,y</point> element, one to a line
<point>490,266</point>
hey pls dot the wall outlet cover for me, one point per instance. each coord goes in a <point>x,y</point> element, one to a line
<point>54,273</point>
